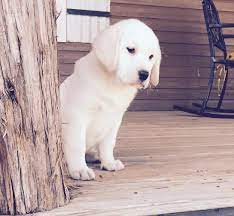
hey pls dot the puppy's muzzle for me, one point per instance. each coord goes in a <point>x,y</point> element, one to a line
<point>143,75</point>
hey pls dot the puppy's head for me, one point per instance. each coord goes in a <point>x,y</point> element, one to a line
<point>130,51</point>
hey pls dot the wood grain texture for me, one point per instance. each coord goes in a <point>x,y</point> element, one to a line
<point>31,175</point>
<point>174,163</point>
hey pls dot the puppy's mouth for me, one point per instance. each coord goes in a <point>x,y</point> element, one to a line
<point>139,86</point>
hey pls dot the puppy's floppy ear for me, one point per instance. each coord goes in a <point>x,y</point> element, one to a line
<point>154,77</point>
<point>106,46</point>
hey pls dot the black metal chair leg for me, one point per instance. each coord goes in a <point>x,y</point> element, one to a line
<point>214,109</point>
<point>223,91</point>
<point>210,85</point>
<point>205,114</point>
<point>216,42</point>
<point>218,107</point>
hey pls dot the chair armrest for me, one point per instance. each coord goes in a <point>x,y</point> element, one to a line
<point>227,25</point>
<point>228,36</point>
<point>223,25</point>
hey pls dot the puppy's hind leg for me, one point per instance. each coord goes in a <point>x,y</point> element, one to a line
<point>74,150</point>
<point>92,155</point>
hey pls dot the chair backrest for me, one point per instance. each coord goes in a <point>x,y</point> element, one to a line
<point>215,34</point>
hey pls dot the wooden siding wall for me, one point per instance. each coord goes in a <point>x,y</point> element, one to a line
<point>180,27</point>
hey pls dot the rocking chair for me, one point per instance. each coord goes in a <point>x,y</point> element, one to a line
<point>217,43</point>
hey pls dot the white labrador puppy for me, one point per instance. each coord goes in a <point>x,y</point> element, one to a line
<point>124,58</point>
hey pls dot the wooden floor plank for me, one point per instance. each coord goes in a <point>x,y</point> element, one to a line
<point>174,163</point>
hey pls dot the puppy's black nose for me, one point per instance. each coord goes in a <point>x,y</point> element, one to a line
<point>143,75</point>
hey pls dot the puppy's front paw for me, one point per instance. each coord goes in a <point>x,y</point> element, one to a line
<point>85,174</point>
<point>113,166</point>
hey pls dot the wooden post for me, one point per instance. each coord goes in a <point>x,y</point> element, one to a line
<point>31,175</point>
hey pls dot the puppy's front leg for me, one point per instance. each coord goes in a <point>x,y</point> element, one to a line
<point>74,150</point>
<point>106,150</point>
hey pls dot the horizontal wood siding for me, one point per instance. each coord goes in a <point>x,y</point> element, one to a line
<point>180,27</point>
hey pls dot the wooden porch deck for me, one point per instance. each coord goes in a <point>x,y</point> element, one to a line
<point>174,163</point>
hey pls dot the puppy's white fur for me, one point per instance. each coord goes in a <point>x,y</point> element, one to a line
<point>95,97</point>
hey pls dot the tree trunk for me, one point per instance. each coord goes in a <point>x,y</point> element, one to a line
<point>31,175</point>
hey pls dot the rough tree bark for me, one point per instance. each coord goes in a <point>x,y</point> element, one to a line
<point>31,176</point>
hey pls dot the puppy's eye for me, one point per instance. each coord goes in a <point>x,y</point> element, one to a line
<point>150,57</point>
<point>131,50</point>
